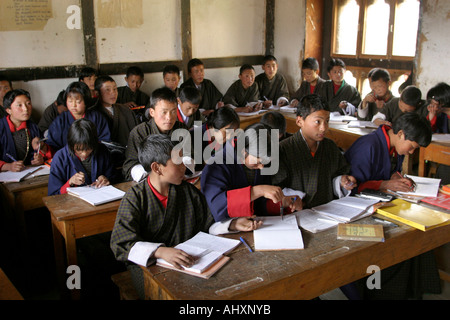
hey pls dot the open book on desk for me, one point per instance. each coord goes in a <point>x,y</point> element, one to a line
<point>278,234</point>
<point>347,209</point>
<point>96,196</point>
<point>209,252</point>
<point>362,124</point>
<point>425,187</point>
<point>9,176</point>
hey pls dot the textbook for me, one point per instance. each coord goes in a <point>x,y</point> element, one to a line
<point>361,232</point>
<point>313,221</point>
<point>209,252</point>
<point>442,200</point>
<point>347,209</point>
<point>96,196</point>
<point>278,233</point>
<point>9,176</point>
<point>414,215</point>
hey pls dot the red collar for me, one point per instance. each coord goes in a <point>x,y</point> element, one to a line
<point>161,198</point>
<point>385,129</point>
<point>23,125</point>
<point>180,118</point>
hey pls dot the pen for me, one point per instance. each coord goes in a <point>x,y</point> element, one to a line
<point>11,157</point>
<point>246,244</point>
<point>281,209</point>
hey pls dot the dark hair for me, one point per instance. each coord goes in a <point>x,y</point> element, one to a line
<point>11,95</point>
<point>335,62</point>
<point>412,96</point>
<point>163,93</point>
<point>311,103</point>
<point>7,80</point>
<point>380,74</point>
<point>246,67</point>
<point>222,117</point>
<point>274,120</point>
<point>156,148</point>
<point>100,81</point>
<point>254,145</point>
<point>193,63</point>
<point>87,72</point>
<point>440,93</point>
<point>269,57</point>
<point>415,127</point>
<point>81,88</point>
<point>82,133</point>
<point>60,98</point>
<point>135,71</point>
<point>171,68</point>
<point>310,63</point>
<point>190,94</point>
<point>369,75</point>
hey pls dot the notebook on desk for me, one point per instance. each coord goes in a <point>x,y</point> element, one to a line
<point>9,176</point>
<point>278,234</point>
<point>96,196</point>
<point>425,187</point>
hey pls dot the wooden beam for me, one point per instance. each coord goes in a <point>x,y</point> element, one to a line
<point>89,33</point>
<point>270,27</point>
<point>186,36</point>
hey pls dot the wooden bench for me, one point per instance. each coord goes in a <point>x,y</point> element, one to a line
<point>123,282</point>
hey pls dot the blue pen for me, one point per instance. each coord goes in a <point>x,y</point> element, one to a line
<point>11,157</point>
<point>246,244</point>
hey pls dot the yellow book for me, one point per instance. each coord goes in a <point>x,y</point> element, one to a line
<point>414,215</point>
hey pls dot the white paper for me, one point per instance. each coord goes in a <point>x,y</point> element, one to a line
<point>313,221</point>
<point>278,234</point>
<point>346,209</point>
<point>9,176</point>
<point>441,137</point>
<point>362,124</point>
<point>425,187</point>
<point>97,196</point>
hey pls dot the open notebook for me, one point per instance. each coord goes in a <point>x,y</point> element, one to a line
<point>9,176</point>
<point>425,187</point>
<point>278,234</point>
<point>96,196</point>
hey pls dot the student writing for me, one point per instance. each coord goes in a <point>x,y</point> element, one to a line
<point>273,89</point>
<point>312,82</point>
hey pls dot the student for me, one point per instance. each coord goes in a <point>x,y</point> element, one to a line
<point>410,101</point>
<point>273,89</point>
<point>311,163</point>
<point>244,91</point>
<point>78,101</point>
<point>341,96</point>
<point>275,120</point>
<point>88,75</point>
<point>376,159</point>
<point>188,103</point>
<point>438,97</point>
<point>83,161</point>
<point>5,86</point>
<point>238,189</point>
<point>131,95</point>
<point>20,143</point>
<point>376,99</point>
<point>51,112</point>
<point>211,96</point>
<point>312,83</point>
<point>161,212</point>
<point>171,78</point>
<point>163,112</point>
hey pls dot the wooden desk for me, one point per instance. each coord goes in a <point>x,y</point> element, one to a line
<point>325,264</point>
<point>438,152</point>
<point>7,290</point>
<point>73,218</point>
<point>246,121</point>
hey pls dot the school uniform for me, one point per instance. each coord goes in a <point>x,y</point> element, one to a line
<point>58,130</point>
<point>440,123</point>
<point>3,112</point>
<point>335,95</point>
<point>189,121</point>
<point>306,89</point>
<point>238,97</point>
<point>17,142</point>
<point>300,170</point>
<point>50,114</point>
<point>371,108</point>
<point>64,166</point>
<point>125,94</point>
<point>272,89</point>
<point>210,94</point>
<point>137,135</point>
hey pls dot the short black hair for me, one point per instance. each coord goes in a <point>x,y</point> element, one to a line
<point>60,98</point>
<point>415,127</point>
<point>87,72</point>
<point>274,120</point>
<point>135,71</point>
<point>190,94</point>
<point>311,103</point>
<point>101,80</point>
<point>163,93</point>
<point>222,117</point>
<point>441,93</point>
<point>380,74</point>
<point>245,67</point>
<point>269,57</point>
<point>171,68</point>
<point>82,133</point>
<point>7,80</point>
<point>335,62</point>
<point>11,95</point>
<point>193,63</point>
<point>156,148</point>
<point>81,88</point>
<point>412,96</point>
<point>254,144</point>
<point>310,63</point>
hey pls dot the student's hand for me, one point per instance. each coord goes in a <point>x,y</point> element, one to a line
<point>77,179</point>
<point>380,122</point>
<point>397,184</point>
<point>15,166</point>
<point>61,108</point>
<point>175,257</point>
<point>266,104</point>
<point>259,106</point>
<point>282,103</point>
<point>348,182</point>
<point>100,182</point>
<point>380,104</point>
<point>37,160</point>
<point>245,109</point>
<point>343,104</point>
<point>433,111</point>
<point>131,104</point>
<point>370,97</point>
<point>245,224</point>
<point>294,203</point>
<point>273,193</point>
<point>294,103</point>
<point>219,104</point>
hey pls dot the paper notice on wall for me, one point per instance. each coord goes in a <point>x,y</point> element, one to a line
<point>24,15</point>
<point>119,13</point>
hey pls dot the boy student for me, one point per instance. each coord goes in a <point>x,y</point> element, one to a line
<point>410,101</point>
<point>188,102</point>
<point>211,96</point>
<point>51,112</point>
<point>5,86</point>
<point>273,89</point>
<point>131,95</point>
<point>341,96</point>
<point>239,189</point>
<point>20,143</point>
<point>83,161</point>
<point>163,211</point>
<point>171,78</point>
<point>78,101</point>
<point>243,94</point>
<point>311,163</point>
<point>438,98</point>
<point>88,75</point>
<point>163,119</point>
<point>374,101</point>
<point>312,83</point>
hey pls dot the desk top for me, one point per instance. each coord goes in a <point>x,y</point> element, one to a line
<point>36,182</point>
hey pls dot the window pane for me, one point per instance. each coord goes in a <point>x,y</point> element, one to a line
<point>349,78</point>
<point>405,28</point>
<point>376,28</point>
<point>347,27</point>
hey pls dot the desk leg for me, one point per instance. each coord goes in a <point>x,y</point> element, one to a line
<point>71,253</point>
<point>422,162</point>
